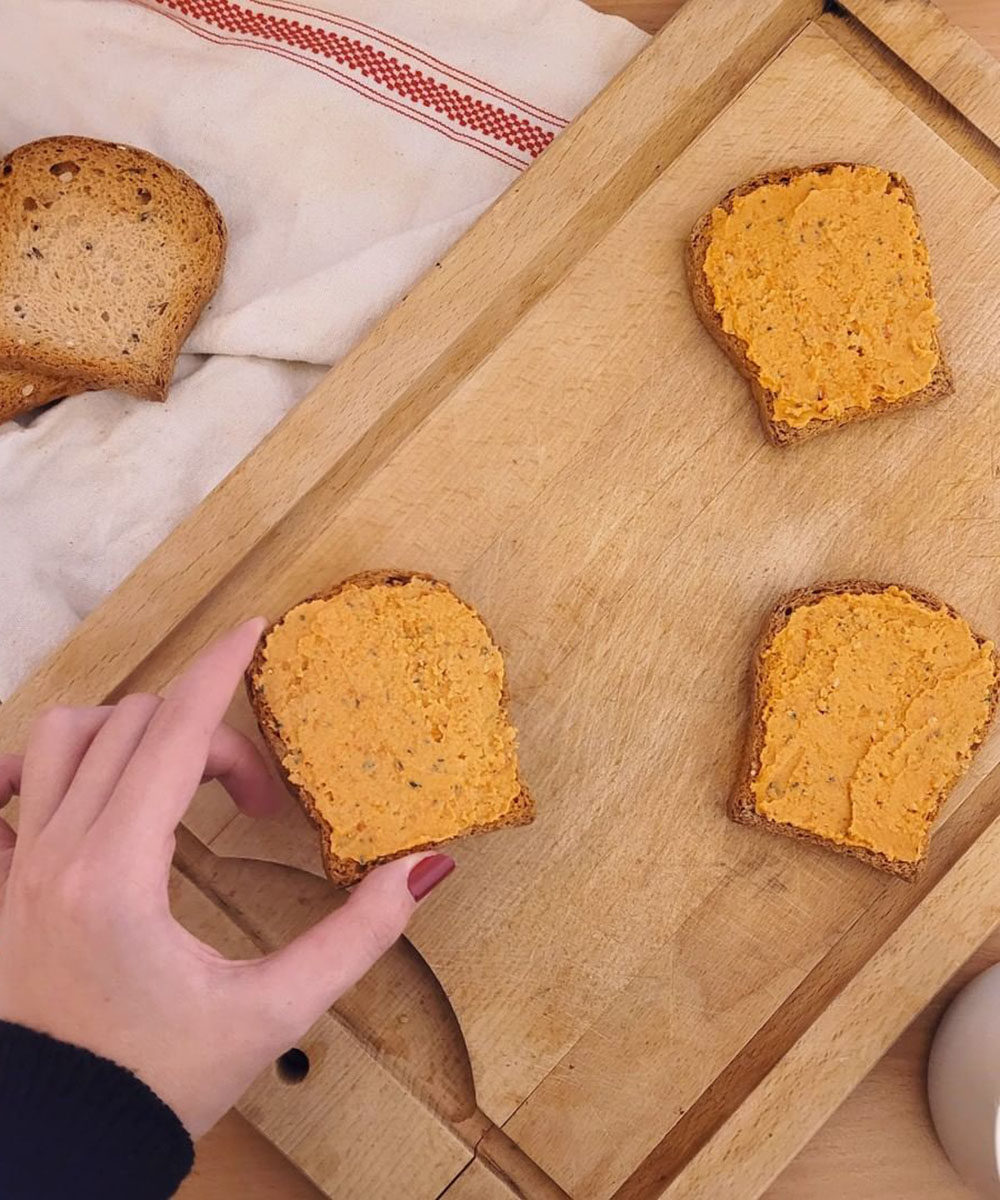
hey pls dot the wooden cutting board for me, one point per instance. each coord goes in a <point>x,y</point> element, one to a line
<point>633,996</point>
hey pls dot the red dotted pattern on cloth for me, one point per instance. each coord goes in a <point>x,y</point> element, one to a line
<point>402,78</point>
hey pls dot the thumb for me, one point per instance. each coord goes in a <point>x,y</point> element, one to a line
<point>304,978</point>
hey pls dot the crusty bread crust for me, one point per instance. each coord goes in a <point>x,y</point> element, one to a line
<point>346,871</point>
<point>21,391</point>
<point>780,433</point>
<point>114,179</point>
<point>742,807</point>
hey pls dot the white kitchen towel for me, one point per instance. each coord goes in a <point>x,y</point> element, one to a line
<point>347,151</point>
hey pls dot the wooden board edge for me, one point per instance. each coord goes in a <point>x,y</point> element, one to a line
<point>500,1170</point>
<point>422,348</point>
<point>916,92</point>
<point>853,1023</point>
<point>823,1067</point>
<point>476,1181</point>
<point>508,1163</point>
<point>382,1098</point>
<point>951,60</point>
<point>510,1170</point>
<point>856,945</point>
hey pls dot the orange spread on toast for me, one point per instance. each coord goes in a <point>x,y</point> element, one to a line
<point>871,707</point>
<point>826,281</point>
<point>389,700</point>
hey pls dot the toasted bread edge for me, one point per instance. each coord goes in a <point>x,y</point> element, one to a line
<point>45,388</point>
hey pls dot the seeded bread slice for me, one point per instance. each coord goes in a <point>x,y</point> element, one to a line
<point>21,391</point>
<point>742,806</point>
<point>778,432</point>
<point>346,871</point>
<point>107,256</point>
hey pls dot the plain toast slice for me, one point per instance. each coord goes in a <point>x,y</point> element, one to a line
<point>108,254</point>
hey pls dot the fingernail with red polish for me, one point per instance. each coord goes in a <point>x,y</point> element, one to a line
<point>428,873</point>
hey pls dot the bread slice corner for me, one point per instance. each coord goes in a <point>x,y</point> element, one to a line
<point>742,807</point>
<point>780,433</point>
<point>344,872</point>
<point>22,391</point>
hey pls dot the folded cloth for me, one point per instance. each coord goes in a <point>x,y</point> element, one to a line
<point>346,150</point>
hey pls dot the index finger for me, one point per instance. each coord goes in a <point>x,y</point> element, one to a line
<point>154,790</point>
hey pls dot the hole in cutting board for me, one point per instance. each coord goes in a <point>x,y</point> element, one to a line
<point>292,1066</point>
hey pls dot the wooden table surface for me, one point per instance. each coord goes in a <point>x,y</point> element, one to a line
<point>878,1144</point>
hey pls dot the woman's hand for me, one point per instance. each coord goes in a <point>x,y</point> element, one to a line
<point>89,951</point>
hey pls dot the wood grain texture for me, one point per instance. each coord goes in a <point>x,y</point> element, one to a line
<point>629,451</point>
<point>961,69</point>
<point>650,15</point>
<point>582,455</point>
<point>914,91</point>
<point>666,991</point>
<point>813,1077</point>
<point>880,1142</point>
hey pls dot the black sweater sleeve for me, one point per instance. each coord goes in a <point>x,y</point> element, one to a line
<point>74,1125</point>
